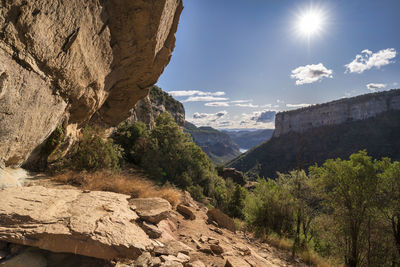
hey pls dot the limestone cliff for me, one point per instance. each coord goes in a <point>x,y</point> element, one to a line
<point>157,102</point>
<point>313,135</point>
<point>68,62</point>
<point>336,112</point>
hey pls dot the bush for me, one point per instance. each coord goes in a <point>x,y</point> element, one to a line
<point>93,152</point>
<point>269,209</point>
<point>128,136</point>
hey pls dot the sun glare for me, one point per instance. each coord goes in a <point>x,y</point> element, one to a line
<point>310,22</point>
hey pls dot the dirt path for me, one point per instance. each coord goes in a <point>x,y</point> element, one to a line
<point>237,247</point>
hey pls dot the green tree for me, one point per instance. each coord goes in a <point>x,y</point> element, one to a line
<point>389,194</point>
<point>305,203</point>
<point>237,202</point>
<point>269,208</point>
<point>349,187</point>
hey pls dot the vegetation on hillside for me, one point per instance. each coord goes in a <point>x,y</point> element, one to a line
<point>345,210</point>
<point>157,95</point>
<point>92,152</point>
<point>168,155</point>
<point>379,135</point>
<point>216,144</point>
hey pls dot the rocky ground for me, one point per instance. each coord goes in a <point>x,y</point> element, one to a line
<point>65,226</point>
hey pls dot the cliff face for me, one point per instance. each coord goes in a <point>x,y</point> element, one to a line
<point>370,122</point>
<point>157,102</point>
<point>73,61</point>
<point>336,112</point>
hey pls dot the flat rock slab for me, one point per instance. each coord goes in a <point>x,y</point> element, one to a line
<point>95,224</point>
<point>152,210</point>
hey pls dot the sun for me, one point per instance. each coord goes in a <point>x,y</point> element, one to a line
<point>310,22</point>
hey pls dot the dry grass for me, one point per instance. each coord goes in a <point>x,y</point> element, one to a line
<point>308,256</point>
<point>127,182</point>
<point>280,242</point>
<point>313,259</point>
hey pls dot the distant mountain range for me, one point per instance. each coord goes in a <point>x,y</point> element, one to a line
<point>247,139</point>
<point>216,144</point>
<point>225,145</point>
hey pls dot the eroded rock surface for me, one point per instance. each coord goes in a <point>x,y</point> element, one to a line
<point>61,62</point>
<point>94,224</point>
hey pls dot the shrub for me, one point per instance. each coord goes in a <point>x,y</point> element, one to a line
<point>93,152</point>
<point>269,208</point>
<point>129,137</point>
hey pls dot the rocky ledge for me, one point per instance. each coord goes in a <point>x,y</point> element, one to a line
<point>68,62</point>
<point>69,227</point>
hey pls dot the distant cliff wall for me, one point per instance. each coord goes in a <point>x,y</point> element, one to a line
<point>336,112</point>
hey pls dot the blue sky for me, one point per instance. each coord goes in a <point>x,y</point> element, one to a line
<point>231,51</point>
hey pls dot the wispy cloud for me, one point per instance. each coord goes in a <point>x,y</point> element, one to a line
<point>368,60</point>
<point>209,116</point>
<point>246,105</point>
<point>375,86</point>
<point>195,92</point>
<point>222,119</point>
<point>204,98</point>
<point>297,105</point>
<point>310,73</point>
<point>241,101</point>
<point>217,104</point>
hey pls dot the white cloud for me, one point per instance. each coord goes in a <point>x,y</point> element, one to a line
<point>241,101</point>
<point>375,86</point>
<point>246,105</point>
<point>297,105</point>
<point>264,116</point>
<point>204,98</point>
<point>368,60</point>
<point>217,104</point>
<point>395,83</point>
<point>310,73</point>
<point>222,119</point>
<point>195,92</point>
<point>209,117</point>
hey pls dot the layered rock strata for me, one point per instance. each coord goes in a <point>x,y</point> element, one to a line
<point>63,62</point>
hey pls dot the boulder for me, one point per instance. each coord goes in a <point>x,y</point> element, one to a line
<point>151,230</point>
<point>216,249</point>
<point>233,261</point>
<point>68,62</point>
<point>94,224</point>
<point>187,200</point>
<point>152,210</point>
<point>143,260</point>
<point>222,219</point>
<point>195,264</point>
<point>186,211</point>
